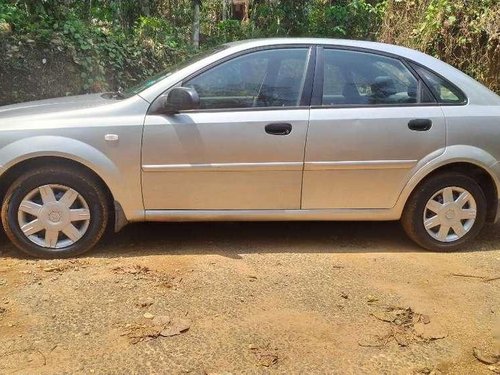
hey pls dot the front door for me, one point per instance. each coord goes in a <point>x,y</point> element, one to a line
<point>244,148</point>
<point>374,123</point>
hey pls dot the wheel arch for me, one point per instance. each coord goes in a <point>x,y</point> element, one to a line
<point>32,152</point>
<point>15,170</point>
<point>481,173</point>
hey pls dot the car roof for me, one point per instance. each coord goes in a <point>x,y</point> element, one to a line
<point>475,92</point>
<point>252,43</point>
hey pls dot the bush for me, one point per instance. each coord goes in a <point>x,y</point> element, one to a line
<point>465,34</point>
<point>54,48</point>
<point>98,56</point>
<point>357,19</point>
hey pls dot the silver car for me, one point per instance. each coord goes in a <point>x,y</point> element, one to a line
<point>274,129</point>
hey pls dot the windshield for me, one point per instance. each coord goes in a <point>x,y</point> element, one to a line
<point>174,68</point>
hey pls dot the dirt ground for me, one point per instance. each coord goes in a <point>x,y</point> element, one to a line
<point>253,298</point>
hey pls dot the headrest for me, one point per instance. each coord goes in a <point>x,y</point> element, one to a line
<point>383,86</point>
<point>412,91</point>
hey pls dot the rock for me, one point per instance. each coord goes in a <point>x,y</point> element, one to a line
<point>145,302</point>
<point>266,356</point>
<point>431,331</point>
<point>182,324</point>
<point>428,371</point>
<point>401,338</point>
<point>161,320</point>
<point>176,327</point>
<point>148,315</point>
<point>486,358</point>
<point>425,319</point>
<point>268,359</point>
<point>169,332</point>
<point>52,269</point>
<point>385,316</point>
<point>138,333</point>
<point>344,295</point>
<point>372,341</point>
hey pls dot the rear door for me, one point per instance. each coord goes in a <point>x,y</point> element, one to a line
<point>244,148</point>
<point>372,122</point>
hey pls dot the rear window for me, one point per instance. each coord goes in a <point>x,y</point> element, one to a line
<point>444,91</point>
<point>362,78</point>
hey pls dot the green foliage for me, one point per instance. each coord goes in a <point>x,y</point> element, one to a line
<point>283,18</point>
<point>10,14</point>
<point>106,55</point>
<point>106,44</point>
<point>231,30</point>
<point>346,19</point>
<point>357,19</point>
<point>154,27</point>
<point>464,33</point>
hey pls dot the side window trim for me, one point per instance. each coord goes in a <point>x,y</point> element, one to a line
<point>319,75</point>
<point>308,84</point>
<point>422,85</point>
<point>305,95</point>
<point>317,96</point>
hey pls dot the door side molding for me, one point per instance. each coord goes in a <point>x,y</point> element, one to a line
<point>221,167</point>
<point>359,164</point>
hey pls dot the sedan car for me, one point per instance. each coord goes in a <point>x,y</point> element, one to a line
<point>273,129</point>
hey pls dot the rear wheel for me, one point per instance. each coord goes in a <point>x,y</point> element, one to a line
<point>445,213</point>
<point>55,212</point>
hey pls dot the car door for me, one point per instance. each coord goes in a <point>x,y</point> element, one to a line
<point>372,122</point>
<point>244,148</point>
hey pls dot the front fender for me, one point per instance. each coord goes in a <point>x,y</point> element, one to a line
<point>68,148</point>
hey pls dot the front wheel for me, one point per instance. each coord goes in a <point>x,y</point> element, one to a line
<point>445,212</point>
<point>55,212</point>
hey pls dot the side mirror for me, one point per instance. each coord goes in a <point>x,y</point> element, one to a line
<point>180,99</point>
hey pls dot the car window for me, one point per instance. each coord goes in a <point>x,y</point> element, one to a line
<point>444,91</point>
<point>173,69</point>
<point>270,78</point>
<point>352,78</point>
<point>334,81</point>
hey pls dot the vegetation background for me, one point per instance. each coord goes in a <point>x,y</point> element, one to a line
<point>61,47</point>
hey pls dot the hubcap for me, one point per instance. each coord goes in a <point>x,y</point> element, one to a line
<point>53,216</point>
<point>450,214</point>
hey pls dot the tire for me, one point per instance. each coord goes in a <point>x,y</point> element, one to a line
<point>84,219</point>
<point>437,238</point>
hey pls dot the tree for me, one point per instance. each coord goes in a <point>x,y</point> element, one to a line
<point>146,7</point>
<point>196,23</point>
